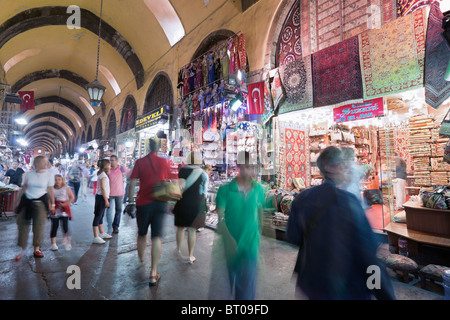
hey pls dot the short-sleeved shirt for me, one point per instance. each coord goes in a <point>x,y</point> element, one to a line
<point>99,186</point>
<point>149,172</point>
<point>37,184</point>
<point>242,216</point>
<point>116,182</point>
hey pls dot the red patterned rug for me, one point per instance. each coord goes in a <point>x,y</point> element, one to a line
<point>297,157</point>
<point>337,74</point>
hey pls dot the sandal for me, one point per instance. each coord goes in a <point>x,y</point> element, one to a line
<point>19,257</point>
<point>38,254</point>
<point>154,280</point>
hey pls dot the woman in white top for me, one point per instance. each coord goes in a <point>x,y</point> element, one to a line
<point>101,201</point>
<point>63,198</point>
<point>36,201</point>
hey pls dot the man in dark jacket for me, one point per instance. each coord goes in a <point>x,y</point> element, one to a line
<point>337,253</point>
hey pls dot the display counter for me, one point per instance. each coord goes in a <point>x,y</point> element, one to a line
<point>432,221</point>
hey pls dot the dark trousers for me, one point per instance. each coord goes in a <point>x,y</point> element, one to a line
<point>55,224</point>
<point>99,210</point>
<point>76,187</point>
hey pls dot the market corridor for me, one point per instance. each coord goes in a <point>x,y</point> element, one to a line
<point>113,272</point>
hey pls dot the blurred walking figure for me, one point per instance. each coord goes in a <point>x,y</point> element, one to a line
<point>101,202</point>
<point>74,174</point>
<point>399,182</point>
<point>36,201</point>
<point>114,212</point>
<point>336,242</point>
<point>62,214</point>
<point>94,178</point>
<point>149,170</point>
<point>190,210</point>
<point>84,182</point>
<point>352,174</point>
<point>240,208</point>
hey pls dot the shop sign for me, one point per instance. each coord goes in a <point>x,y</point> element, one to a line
<point>149,120</point>
<point>359,111</point>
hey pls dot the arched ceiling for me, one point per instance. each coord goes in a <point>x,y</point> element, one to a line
<point>40,53</point>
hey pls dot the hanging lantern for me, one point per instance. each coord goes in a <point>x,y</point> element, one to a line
<point>96,91</point>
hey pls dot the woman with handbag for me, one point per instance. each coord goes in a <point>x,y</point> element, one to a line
<point>190,210</point>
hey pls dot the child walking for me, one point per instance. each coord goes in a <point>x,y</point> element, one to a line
<point>63,198</point>
<point>101,201</point>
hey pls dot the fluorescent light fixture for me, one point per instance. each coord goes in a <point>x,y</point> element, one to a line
<point>22,142</point>
<point>21,121</point>
<point>82,149</point>
<point>129,144</point>
<point>236,104</point>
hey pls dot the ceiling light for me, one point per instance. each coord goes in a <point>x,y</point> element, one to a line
<point>21,121</point>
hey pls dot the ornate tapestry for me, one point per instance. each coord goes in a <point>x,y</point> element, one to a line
<point>290,42</point>
<point>296,77</point>
<point>437,90</point>
<point>297,157</point>
<point>405,7</point>
<point>337,74</point>
<point>401,146</point>
<point>392,57</point>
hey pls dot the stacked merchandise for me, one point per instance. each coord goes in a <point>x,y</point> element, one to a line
<point>386,139</point>
<point>420,137</point>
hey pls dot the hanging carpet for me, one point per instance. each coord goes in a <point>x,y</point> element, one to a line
<point>437,90</point>
<point>392,57</point>
<point>337,74</point>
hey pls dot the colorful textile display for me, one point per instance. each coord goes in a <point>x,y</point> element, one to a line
<point>337,74</point>
<point>277,90</point>
<point>255,99</point>
<point>297,163</point>
<point>392,57</point>
<point>290,42</point>
<point>268,103</point>
<point>437,90</point>
<point>405,7</point>
<point>297,82</point>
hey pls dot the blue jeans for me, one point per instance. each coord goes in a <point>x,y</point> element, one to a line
<point>115,207</point>
<point>243,279</point>
<point>75,187</point>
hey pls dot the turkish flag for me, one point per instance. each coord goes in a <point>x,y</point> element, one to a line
<point>27,100</point>
<point>255,99</point>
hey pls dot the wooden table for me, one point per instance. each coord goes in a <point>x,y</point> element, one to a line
<point>418,242</point>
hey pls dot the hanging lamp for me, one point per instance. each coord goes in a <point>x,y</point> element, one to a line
<point>95,89</point>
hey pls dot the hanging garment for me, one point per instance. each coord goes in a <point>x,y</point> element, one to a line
<point>232,66</point>
<point>242,53</point>
<point>192,78</point>
<point>199,74</point>
<point>211,68</point>
<point>186,82</point>
<point>225,61</point>
<point>205,70</point>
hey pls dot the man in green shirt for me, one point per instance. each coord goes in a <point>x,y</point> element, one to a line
<point>240,207</point>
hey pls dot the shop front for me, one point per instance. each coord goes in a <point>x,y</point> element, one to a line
<point>153,124</point>
<point>126,150</point>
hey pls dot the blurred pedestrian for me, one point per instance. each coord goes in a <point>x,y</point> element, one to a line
<point>74,175</point>
<point>84,182</point>
<point>62,214</point>
<point>352,174</point>
<point>399,183</point>
<point>337,244</point>
<point>240,208</point>
<point>36,201</point>
<point>114,212</point>
<point>94,178</point>
<point>190,210</point>
<point>149,170</point>
<point>101,201</point>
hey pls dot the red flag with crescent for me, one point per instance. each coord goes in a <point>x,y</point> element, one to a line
<point>27,100</point>
<point>255,100</point>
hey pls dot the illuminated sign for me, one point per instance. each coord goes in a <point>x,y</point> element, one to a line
<point>149,120</point>
<point>359,111</point>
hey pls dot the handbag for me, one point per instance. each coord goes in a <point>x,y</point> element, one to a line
<point>444,130</point>
<point>165,190</point>
<point>447,152</point>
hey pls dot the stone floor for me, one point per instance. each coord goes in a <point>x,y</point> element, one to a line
<point>113,271</point>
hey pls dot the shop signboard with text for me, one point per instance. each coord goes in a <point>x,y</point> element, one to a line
<point>149,120</point>
<point>359,111</point>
